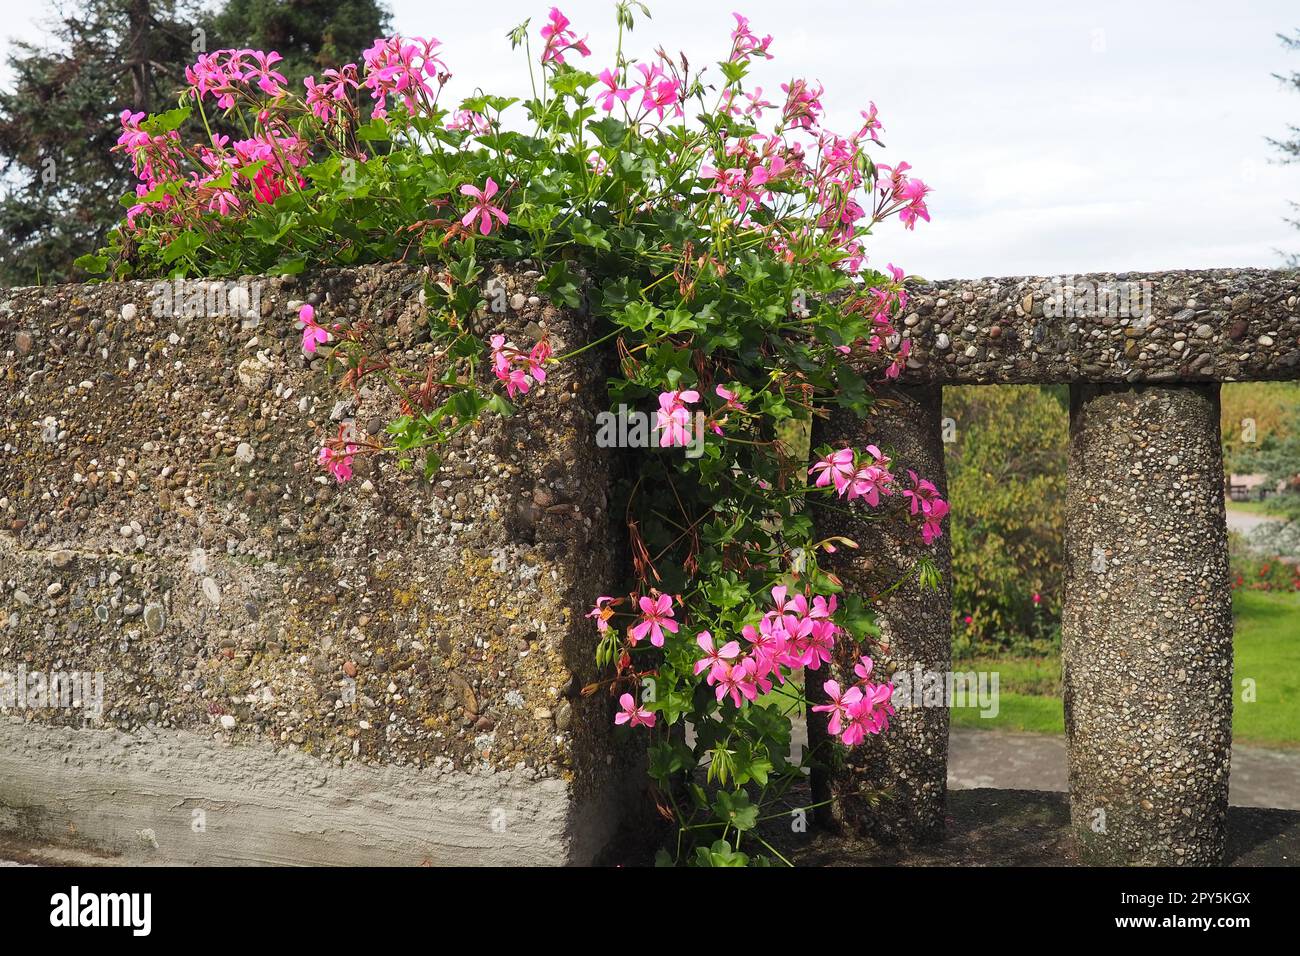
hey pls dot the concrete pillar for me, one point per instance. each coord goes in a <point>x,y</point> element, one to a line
<point>908,765</point>
<point>1147,625</point>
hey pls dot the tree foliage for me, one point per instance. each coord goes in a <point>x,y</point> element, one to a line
<point>1006,475</point>
<point>62,182</point>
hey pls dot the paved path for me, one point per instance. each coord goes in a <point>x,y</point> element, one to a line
<point>1247,521</point>
<point>994,758</point>
<point>1006,760</point>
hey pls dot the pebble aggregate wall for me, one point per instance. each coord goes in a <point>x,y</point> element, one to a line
<point>1212,325</point>
<point>421,646</point>
<point>388,671</point>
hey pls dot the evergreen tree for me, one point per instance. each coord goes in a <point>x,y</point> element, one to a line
<point>58,123</point>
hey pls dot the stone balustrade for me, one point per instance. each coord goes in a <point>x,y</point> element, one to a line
<point>1218,325</point>
<point>1147,619</point>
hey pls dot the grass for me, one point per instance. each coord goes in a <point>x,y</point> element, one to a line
<point>1267,652</point>
<point>1252,507</point>
<point>1028,695</point>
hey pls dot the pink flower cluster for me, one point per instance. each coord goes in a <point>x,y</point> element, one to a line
<point>861,709</point>
<point>660,92</point>
<point>403,67</point>
<point>881,305</point>
<point>224,74</point>
<point>796,631</point>
<point>925,501</point>
<point>470,122</point>
<point>324,98</point>
<point>793,633</point>
<point>338,461</point>
<point>867,476</point>
<point>754,164</point>
<point>264,164</point>
<point>273,151</point>
<point>746,44</point>
<point>673,419</point>
<point>560,39</point>
<point>518,370</point>
<point>154,159</point>
<point>898,193</point>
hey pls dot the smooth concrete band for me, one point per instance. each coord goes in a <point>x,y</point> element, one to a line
<point>1147,626</point>
<point>176,798</point>
<point>908,765</point>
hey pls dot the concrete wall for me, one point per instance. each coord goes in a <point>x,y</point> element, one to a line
<point>384,671</point>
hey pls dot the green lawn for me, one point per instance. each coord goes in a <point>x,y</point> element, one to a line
<point>1268,653</point>
<point>1267,647</point>
<point>1252,507</point>
<point>1028,694</point>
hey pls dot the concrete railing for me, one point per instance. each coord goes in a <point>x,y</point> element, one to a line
<point>1147,622</point>
<point>382,672</point>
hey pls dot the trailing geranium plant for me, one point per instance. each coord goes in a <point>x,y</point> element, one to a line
<point>715,231</point>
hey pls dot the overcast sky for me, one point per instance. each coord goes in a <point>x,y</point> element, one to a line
<point>1058,137</point>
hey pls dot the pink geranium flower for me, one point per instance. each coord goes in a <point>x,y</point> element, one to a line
<point>483,210</point>
<point>869,481</point>
<point>837,468</point>
<point>658,617</point>
<point>932,528</point>
<point>612,92</point>
<point>730,404</point>
<point>863,667</point>
<point>838,708</point>
<point>560,39</point>
<point>518,370</point>
<point>338,463</point>
<point>737,681</point>
<point>312,334</point>
<point>659,91</point>
<point>602,612</point>
<point>633,714</point>
<point>713,657</point>
<point>673,419</point>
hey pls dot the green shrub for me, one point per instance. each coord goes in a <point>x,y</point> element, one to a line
<point>1006,474</point>
<point>1252,571</point>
